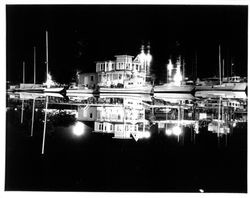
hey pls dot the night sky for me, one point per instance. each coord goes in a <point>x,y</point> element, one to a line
<point>79,35</point>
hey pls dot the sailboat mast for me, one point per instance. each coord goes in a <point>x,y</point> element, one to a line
<point>23,72</point>
<point>47,56</point>
<point>223,67</point>
<point>183,68</point>
<point>34,65</point>
<point>219,65</point>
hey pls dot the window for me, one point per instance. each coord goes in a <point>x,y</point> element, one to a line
<point>90,115</point>
<point>100,126</point>
<point>120,76</point>
<point>115,76</point>
<point>92,78</point>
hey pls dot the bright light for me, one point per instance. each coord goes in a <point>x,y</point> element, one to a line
<point>49,81</point>
<point>170,66</point>
<point>178,77</point>
<point>177,130</point>
<point>142,57</point>
<point>15,109</point>
<point>148,58</point>
<point>234,124</point>
<point>78,129</point>
<point>168,132</point>
<point>147,134</point>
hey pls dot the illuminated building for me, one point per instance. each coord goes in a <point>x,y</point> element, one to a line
<point>125,71</point>
<point>88,80</point>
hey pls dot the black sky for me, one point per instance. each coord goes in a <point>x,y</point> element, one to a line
<point>79,35</point>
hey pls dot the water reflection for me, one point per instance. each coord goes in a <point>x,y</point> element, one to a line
<point>132,116</point>
<point>164,142</point>
<point>79,129</point>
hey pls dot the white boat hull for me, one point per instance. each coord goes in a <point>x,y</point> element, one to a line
<point>173,96</point>
<point>223,87</point>
<point>169,88</point>
<point>223,94</point>
<point>79,91</point>
<point>53,90</point>
<point>132,90</point>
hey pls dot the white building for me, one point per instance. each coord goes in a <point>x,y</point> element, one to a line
<point>88,80</point>
<point>125,71</point>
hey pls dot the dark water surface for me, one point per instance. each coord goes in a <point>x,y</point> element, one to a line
<point>98,162</point>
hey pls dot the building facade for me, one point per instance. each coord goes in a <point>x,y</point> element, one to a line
<point>87,80</point>
<point>124,71</point>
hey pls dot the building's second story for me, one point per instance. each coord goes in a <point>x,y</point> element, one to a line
<point>121,63</point>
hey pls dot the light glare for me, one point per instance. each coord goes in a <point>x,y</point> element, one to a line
<point>168,132</point>
<point>78,129</point>
<point>147,134</point>
<point>177,130</point>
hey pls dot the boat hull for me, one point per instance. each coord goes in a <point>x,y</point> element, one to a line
<point>173,96</point>
<point>79,91</point>
<point>223,87</point>
<point>173,89</point>
<point>30,90</point>
<point>134,90</point>
<point>223,94</point>
<point>53,90</point>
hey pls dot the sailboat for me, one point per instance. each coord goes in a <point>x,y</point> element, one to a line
<point>47,87</point>
<point>229,84</point>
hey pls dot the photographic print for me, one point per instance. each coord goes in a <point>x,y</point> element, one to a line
<point>126,98</point>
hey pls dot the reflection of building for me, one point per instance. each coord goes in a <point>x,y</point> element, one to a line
<point>123,120</point>
<point>124,71</point>
<point>217,126</point>
<point>87,113</point>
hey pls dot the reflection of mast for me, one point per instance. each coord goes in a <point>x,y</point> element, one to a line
<point>45,121</point>
<point>22,111</point>
<point>179,115</point>
<point>32,121</point>
<point>219,119</point>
